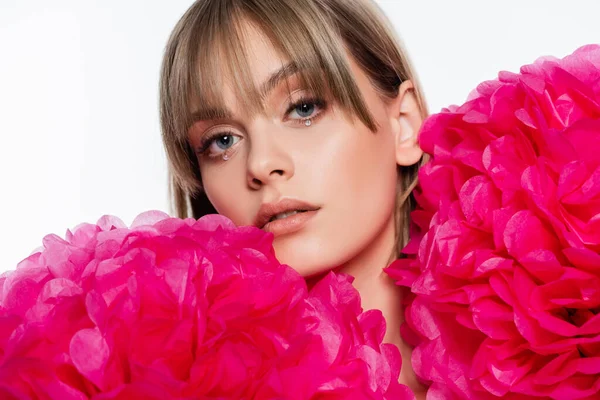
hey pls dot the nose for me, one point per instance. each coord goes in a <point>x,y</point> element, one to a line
<point>268,161</point>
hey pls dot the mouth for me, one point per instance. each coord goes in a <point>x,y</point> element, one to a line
<point>284,216</point>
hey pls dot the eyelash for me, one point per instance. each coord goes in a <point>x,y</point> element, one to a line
<point>320,103</point>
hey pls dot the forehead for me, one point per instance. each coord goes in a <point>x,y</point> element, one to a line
<point>262,57</point>
<point>240,71</point>
<point>238,59</point>
<point>266,66</point>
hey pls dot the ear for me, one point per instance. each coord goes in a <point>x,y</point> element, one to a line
<point>406,120</point>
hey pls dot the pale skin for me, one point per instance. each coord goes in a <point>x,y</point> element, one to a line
<point>336,163</point>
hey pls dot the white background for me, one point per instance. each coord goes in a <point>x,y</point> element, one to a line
<point>78,93</point>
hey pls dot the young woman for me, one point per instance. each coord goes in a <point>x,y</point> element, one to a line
<point>301,118</point>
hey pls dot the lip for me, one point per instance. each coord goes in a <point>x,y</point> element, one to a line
<point>286,225</point>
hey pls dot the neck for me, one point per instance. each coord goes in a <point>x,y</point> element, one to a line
<point>378,291</point>
<point>376,288</point>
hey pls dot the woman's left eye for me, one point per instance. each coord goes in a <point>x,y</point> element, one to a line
<point>305,109</point>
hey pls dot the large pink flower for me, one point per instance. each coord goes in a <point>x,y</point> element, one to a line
<point>504,264</point>
<point>185,309</point>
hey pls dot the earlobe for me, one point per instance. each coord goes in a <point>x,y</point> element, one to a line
<point>406,123</point>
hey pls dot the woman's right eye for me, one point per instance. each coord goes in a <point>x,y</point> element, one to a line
<point>224,142</point>
<point>215,145</point>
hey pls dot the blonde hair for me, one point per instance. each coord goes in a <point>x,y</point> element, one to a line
<point>315,35</point>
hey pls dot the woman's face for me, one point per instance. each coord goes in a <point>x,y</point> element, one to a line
<point>335,176</point>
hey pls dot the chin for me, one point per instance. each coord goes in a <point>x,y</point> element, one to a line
<point>304,267</point>
<point>313,266</point>
<point>313,253</point>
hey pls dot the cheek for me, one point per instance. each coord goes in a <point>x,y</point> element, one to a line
<point>372,180</point>
<point>353,173</point>
<point>360,168</point>
<point>226,192</point>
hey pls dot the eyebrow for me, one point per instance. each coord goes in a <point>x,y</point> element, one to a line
<point>277,77</point>
<point>274,80</point>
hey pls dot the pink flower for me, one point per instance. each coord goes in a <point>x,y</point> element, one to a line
<point>504,264</point>
<point>183,309</point>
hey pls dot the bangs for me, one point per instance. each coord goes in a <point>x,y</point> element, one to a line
<point>211,52</point>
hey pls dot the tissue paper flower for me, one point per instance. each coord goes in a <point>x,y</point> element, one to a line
<point>504,262</point>
<point>184,309</point>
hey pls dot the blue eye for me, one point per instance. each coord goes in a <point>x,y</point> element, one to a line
<point>224,142</point>
<point>220,143</point>
<point>216,144</point>
<point>305,110</point>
